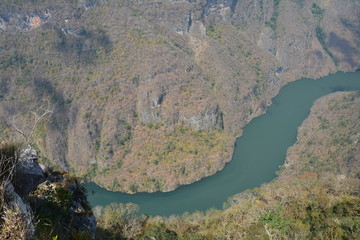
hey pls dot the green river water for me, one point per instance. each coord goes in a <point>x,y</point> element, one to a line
<point>257,155</point>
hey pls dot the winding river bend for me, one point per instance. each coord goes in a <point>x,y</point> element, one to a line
<point>257,156</point>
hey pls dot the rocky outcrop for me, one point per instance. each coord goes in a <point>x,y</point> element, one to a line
<point>54,193</point>
<point>28,171</point>
<point>149,102</point>
<point>208,119</point>
<point>267,40</point>
<point>62,197</point>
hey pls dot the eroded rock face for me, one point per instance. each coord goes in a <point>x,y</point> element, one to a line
<point>149,102</point>
<point>28,173</point>
<point>204,120</point>
<point>267,40</point>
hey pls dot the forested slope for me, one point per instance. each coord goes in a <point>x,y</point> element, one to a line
<point>315,196</point>
<point>131,80</point>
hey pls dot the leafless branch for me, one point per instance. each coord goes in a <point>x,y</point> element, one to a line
<point>7,165</point>
<point>7,171</point>
<point>38,115</point>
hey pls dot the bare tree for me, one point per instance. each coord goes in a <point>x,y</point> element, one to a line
<point>39,114</point>
<point>7,168</point>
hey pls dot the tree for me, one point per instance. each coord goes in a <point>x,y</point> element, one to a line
<point>121,220</point>
<point>27,132</point>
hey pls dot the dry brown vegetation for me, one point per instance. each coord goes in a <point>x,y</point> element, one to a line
<point>113,66</point>
<point>310,199</point>
<point>13,223</point>
<point>328,143</point>
<point>8,161</point>
<point>150,165</point>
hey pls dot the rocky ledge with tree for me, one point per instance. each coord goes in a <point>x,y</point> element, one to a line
<point>38,202</point>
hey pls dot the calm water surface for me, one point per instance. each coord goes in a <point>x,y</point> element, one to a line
<point>257,156</point>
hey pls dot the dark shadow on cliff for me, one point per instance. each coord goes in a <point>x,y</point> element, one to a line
<point>342,45</point>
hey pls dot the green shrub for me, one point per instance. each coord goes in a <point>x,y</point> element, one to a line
<point>273,20</point>
<point>321,35</point>
<point>159,232</point>
<point>14,225</point>
<point>317,11</point>
<point>120,221</point>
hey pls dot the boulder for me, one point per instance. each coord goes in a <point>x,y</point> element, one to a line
<point>28,173</point>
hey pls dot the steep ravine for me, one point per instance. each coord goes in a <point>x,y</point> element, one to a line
<point>259,152</point>
<point>131,81</point>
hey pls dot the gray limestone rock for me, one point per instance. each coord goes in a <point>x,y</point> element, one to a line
<point>150,98</point>
<point>28,173</point>
<point>205,120</point>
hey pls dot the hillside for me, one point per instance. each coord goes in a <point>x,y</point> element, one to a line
<point>315,196</point>
<point>150,95</point>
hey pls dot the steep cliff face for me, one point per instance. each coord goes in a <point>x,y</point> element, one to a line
<point>116,70</point>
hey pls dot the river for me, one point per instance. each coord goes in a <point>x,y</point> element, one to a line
<point>257,155</point>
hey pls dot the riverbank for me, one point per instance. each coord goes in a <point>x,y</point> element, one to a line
<point>258,155</point>
<point>314,196</point>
